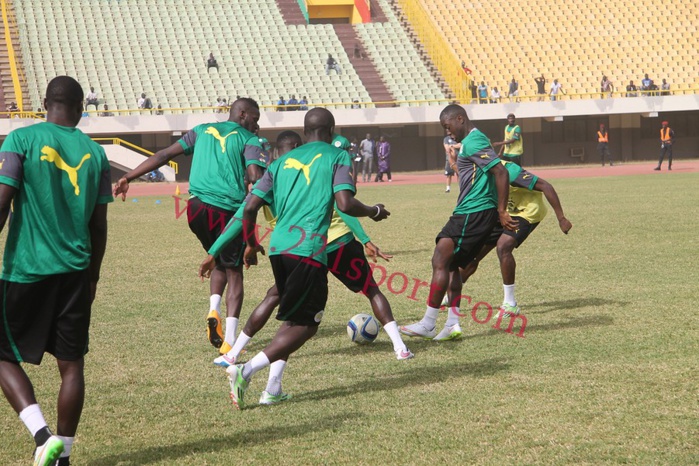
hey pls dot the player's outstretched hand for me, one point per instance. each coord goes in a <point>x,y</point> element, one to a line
<point>565,225</point>
<point>382,213</point>
<point>372,251</point>
<point>507,222</point>
<point>207,267</point>
<point>121,187</point>
<point>250,256</point>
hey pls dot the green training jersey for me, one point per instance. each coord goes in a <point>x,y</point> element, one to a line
<point>221,152</point>
<point>60,175</point>
<point>341,142</point>
<point>301,186</point>
<point>476,186</point>
<point>516,148</point>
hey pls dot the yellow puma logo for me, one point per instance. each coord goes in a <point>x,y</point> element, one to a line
<point>50,155</point>
<point>221,139</point>
<point>524,177</point>
<point>485,156</point>
<point>293,163</point>
<point>2,163</point>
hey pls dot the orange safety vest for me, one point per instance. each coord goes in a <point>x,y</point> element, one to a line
<point>665,137</point>
<point>602,138</point>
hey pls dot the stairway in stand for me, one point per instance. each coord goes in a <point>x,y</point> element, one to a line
<point>365,68</point>
<point>7,88</point>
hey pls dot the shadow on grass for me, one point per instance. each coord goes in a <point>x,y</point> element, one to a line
<point>171,453</point>
<point>408,377</point>
<point>571,322</point>
<point>568,304</point>
<point>413,251</point>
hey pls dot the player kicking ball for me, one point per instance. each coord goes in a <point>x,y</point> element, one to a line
<point>526,207</point>
<point>348,263</point>
<point>304,186</point>
<point>483,195</point>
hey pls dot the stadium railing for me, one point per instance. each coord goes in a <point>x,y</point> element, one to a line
<point>438,48</point>
<point>8,20</point>
<point>121,142</point>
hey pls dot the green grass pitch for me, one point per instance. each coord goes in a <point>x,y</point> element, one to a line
<point>607,371</point>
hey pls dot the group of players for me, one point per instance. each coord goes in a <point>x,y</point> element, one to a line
<point>54,249</point>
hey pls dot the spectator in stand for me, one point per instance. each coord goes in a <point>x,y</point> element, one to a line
<point>482,93</point>
<point>40,113</point>
<point>224,106</point>
<point>607,87</point>
<point>466,69</point>
<point>332,64</point>
<point>280,104</point>
<point>646,82</point>
<point>159,110</point>
<point>653,88</point>
<point>355,104</point>
<point>667,138</point>
<point>474,92</point>
<point>13,108</point>
<point>358,52</point>
<point>665,88</point>
<point>603,145</point>
<point>217,106</point>
<point>145,102</point>
<point>211,63</point>
<point>303,103</point>
<point>495,96</point>
<point>106,112</point>
<point>383,151</point>
<point>556,87</point>
<point>513,90</point>
<point>367,148</point>
<point>540,87</point>
<point>293,103</point>
<point>631,90</point>
<point>91,98</point>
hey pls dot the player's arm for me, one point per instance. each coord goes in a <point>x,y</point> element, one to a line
<point>7,193</point>
<point>254,160</point>
<point>502,184</point>
<point>153,162</point>
<point>98,241</point>
<point>347,204</point>
<point>252,206</point>
<point>552,197</point>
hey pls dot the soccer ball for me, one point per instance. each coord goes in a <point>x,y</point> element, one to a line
<point>363,328</point>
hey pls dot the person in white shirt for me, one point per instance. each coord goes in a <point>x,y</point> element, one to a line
<point>91,98</point>
<point>556,87</point>
<point>494,95</point>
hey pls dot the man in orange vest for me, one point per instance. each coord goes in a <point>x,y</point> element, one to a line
<point>603,145</point>
<point>667,137</point>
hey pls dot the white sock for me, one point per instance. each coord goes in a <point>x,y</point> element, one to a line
<point>33,418</point>
<point>452,316</point>
<point>276,372</point>
<point>259,362</point>
<point>231,329</point>
<point>509,294</point>
<point>239,344</point>
<point>67,445</point>
<point>215,302</point>
<point>391,329</point>
<point>430,319</point>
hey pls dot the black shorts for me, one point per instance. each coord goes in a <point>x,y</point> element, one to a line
<point>208,222</point>
<point>303,288</point>
<point>524,228</point>
<point>469,233</point>
<point>350,265</point>
<point>448,171</point>
<point>512,158</point>
<point>51,315</point>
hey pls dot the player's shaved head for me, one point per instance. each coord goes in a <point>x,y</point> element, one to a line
<point>319,124</point>
<point>451,111</point>
<point>64,90</point>
<point>287,141</point>
<point>64,101</point>
<point>246,112</point>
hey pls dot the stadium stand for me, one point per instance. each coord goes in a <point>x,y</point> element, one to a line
<point>396,59</point>
<point>575,42</point>
<point>128,47</point>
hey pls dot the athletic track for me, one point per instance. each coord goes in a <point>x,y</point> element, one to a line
<point>680,166</point>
